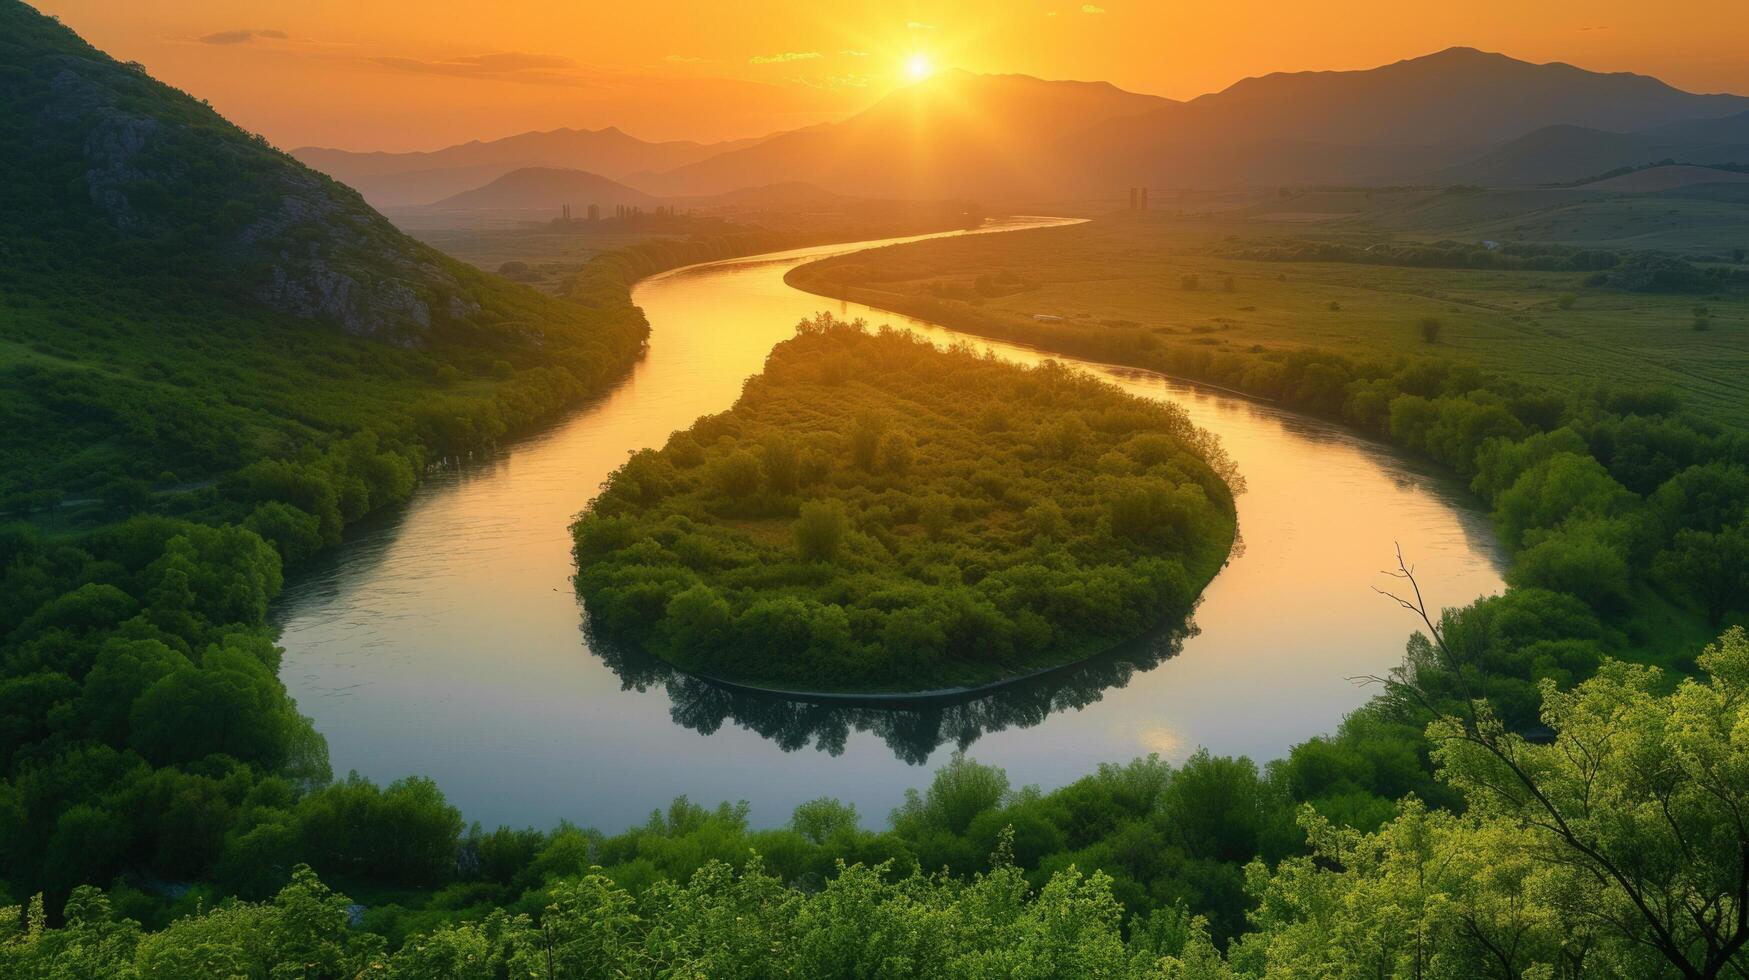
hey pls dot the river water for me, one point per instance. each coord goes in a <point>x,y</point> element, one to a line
<point>446,640</point>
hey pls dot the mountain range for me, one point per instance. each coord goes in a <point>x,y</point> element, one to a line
<point>1556,154</point>
<point>410,179</point>
<point>1458,115</point>
<point>546,189</point>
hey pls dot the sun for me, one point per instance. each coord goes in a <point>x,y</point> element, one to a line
<point>918,67</point>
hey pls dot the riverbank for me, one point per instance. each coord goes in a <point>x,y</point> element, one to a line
<point>1426,400</point>
<point>390,646</point>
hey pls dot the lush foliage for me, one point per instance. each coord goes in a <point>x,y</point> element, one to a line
<point>876,514</point>
<point>1617,849</point>
<point>155,374</point>
<point>181,301</point>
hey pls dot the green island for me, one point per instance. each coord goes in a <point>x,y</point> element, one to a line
<point>877,515</point>
<point>187,421</point>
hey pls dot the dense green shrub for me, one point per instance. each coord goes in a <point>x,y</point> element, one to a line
<point>849,524</point>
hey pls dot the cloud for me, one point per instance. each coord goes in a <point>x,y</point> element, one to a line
<point>241,36</point>
<point>776,59</point>
<point>1088,8</point>
<point>918,25</point>
<point>504,66</point>
<point>853,53</point>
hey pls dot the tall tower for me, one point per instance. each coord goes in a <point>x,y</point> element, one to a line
<point>1144,199</point>
<point>1132,199</point>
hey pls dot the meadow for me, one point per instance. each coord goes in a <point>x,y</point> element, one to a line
<point>1153,280</point>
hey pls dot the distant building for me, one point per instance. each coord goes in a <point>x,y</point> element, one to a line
<point>1047,318</point>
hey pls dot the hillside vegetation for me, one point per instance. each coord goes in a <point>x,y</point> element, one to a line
<point>874,514</point>
<point>182,300</point>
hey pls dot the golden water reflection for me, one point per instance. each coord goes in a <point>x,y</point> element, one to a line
<point>446,640</point>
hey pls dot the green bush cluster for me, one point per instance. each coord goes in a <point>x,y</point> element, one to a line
<point>1624,519</point>
<point>1203,870</point>
<point>875,514</point>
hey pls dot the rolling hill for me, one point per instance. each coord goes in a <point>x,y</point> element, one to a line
<point>547,189</point>
<point>1667,178</point>
<point>1557,154</point>
<point>411,179</point>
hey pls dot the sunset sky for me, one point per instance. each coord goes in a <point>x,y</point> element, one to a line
<point>420,74</point>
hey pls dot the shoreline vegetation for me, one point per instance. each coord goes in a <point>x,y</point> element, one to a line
<point>165,811</point>
<point>1651,457</point>
<point>878,517</point>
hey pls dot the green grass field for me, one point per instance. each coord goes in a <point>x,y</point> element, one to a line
<point>1127,272</point>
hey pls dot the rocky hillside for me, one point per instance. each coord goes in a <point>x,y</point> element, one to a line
<point>107,169</point>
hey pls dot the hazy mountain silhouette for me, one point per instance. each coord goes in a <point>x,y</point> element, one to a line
<point>1400,121</point>
<point>788,195</point>
<point>1458,96</point>
<point>955,134</point>
<point>406,179</point>
<point>995,135</point>
<point>546,189</point>
<point>1558,154</point>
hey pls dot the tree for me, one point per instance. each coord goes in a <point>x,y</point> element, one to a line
<point>781,464</point>
<point>1562,487</point>
<point>1634,813</point>
<point>1430,328</point>
<point>1585,558</point>
<point>819,531</point>
<point>1711,568</point>
<point>865,441</point>
<point>295,534</point>
<point>1566,300</point>
<point>736,475</point>
<point>961,790</point>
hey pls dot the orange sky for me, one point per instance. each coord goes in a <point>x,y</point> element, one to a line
<point>419,74</point>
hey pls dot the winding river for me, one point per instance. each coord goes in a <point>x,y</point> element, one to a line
<point>446,640</point>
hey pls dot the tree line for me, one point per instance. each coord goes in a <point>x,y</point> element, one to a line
<point>1529,874</point>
